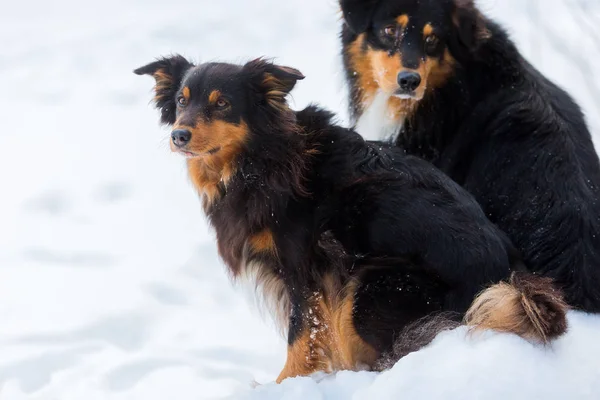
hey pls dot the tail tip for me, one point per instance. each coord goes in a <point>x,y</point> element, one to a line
<point>528,305</point>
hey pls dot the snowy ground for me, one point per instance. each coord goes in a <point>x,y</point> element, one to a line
<point>110,286</point>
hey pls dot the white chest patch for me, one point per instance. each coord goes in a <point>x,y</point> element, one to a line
<point>377,121</point>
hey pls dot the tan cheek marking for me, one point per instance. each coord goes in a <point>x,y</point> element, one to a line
<point>403,20</point>
<point>217,134</point>
<point>427,30</point>
<point>438,71</point>
<point>361,66</point>
<point>385,69</point>
<point>209,171</point>
<point>214,96</point>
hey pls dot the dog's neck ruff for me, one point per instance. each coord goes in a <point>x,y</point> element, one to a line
<point>378,121</point>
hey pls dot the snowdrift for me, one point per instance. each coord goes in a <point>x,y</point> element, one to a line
<point>457,366</point>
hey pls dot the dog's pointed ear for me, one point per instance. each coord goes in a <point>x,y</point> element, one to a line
<point>168,73</point>
<point>358,14</point>
<point>470,24</point>
<point>275,82</point>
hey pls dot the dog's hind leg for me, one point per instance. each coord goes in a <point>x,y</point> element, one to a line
<point>389,298</point>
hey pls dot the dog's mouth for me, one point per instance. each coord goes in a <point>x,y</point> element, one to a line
<point>404,95</point>
<point>190,154</point>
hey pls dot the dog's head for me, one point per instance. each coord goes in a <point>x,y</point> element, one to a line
<point>410,45</point>
<point>212,106</point>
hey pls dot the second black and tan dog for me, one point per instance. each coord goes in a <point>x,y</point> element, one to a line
<point>449,86</point>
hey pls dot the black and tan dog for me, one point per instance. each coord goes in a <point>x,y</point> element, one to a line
<point>449,86</point>
<point>353,240</point>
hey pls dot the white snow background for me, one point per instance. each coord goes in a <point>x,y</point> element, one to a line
<point>110,284</point>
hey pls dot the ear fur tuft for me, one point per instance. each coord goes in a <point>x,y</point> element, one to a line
<point>274,81</point>
<point>168,72</point>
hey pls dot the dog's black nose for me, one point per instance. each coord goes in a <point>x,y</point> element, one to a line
<point>409,80</point>
<point>181,137</point>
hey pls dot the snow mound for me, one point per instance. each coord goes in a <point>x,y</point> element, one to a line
<point>457,366</point>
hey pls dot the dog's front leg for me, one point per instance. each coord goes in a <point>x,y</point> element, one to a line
<point>309,340</point>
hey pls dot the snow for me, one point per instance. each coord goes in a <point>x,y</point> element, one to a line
<point>459,366</point>
<point>110,285</point>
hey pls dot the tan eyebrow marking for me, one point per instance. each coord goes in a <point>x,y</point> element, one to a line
<point>186,93</point>
<point>427,30</point>
<point>214,96</point>
<point>403,20</point>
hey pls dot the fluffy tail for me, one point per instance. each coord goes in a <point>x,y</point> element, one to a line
<point>527,305</point>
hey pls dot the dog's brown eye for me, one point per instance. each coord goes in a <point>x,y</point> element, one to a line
<point>222,103</point>
<point>390,31</point>
<point>182,101</point>
<point>431,43</point>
